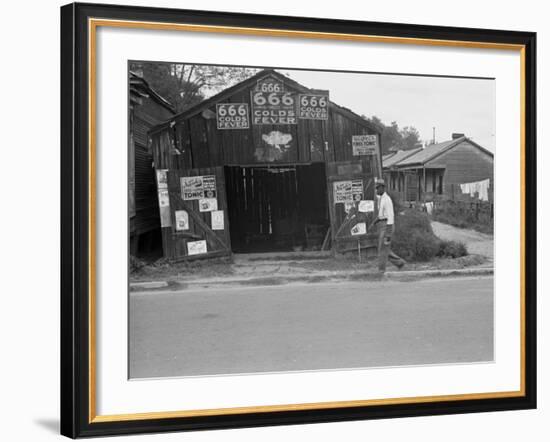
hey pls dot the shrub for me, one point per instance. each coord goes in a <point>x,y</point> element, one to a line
<point>451,249</point>
<point>414,239</point>
<point>135,264</point>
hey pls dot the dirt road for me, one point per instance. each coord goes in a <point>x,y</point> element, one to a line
<point>477,243</point>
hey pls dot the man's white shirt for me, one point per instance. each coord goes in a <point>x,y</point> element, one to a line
<point>385,208</point>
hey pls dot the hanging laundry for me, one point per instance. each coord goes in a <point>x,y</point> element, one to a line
<point>481,188</point>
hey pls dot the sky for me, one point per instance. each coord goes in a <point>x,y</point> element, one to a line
<point>449,104</point>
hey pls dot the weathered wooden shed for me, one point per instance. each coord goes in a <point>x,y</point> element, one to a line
<point>265,165</point>
<point>438,170</point>
<point>147,109</point>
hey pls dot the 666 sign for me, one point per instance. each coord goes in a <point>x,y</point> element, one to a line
<point>232,116</point>
<point>313,107</point>
<point>276,107</point>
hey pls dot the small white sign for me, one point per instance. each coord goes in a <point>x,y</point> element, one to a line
<point>366,206</point>
<point>359,229</point>
<point>162,179</point>
<point>164,199</point>
<point>196,247</point>
<point>208,204</point>
<point>364,144</point>
<point>217,220</point>
<point>182,220</point>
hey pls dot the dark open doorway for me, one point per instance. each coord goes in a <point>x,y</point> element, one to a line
<point>277,207</point>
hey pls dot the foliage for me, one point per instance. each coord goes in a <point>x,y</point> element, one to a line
<point>464,216</point>
<point>395,138</point>
<point>451,249</point>
<point>413,238</point>
<point>184,85</point>
<point>415,241</point>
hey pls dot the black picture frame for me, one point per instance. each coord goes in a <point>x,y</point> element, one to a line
<point>75,221</point>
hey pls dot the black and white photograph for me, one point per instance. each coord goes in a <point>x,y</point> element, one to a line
<point>292,220</point>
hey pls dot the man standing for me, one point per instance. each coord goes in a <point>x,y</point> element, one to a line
<point>384,223</point>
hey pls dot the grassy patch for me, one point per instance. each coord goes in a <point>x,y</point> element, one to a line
<point>164,269</point>
<point>457,216</point>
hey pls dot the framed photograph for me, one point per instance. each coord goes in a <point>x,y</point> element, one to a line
<point>273,220</point>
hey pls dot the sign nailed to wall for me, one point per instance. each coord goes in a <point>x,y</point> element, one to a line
<point>271,104</point>
<point>364,144</point>
<point>348,191</point>
<point>198,187</point>
<point>313,106</point>
<point>182,220</point>
<point>269,84</point>
<point>196,247</point>
<point>232,116</point>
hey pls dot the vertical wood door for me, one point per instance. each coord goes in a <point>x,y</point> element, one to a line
<point>198,224</point>
<point>348,223</point>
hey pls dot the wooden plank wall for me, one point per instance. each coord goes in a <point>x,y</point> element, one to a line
<point>202,145</point>
<point>174,241</point>
<point>341,223</point>
<point>464,163</point>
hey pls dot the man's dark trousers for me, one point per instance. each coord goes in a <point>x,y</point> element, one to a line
<point>385,233</point>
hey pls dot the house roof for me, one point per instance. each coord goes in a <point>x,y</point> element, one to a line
<point>139,87</point>
<point>422,156</point>
<point>226,93</point>
<point>392,159</point>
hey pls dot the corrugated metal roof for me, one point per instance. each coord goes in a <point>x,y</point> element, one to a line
<point>397,157</point>
<point>426,154</point>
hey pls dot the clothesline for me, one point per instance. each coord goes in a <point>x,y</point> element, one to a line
<point>479,187</point>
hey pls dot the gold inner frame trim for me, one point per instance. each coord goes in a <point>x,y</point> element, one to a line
<point>93,24</point>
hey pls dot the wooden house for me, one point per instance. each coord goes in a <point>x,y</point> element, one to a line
<point>438,170</point>
<point>265,165</point>
<point>147,109</point>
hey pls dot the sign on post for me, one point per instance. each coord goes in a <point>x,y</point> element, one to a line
<point>364,144</point>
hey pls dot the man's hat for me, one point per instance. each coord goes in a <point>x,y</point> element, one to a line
<point>379,182</point>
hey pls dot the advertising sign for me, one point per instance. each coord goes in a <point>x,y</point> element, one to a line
<point>359,229</point>
<point>208,204</point>
<point>196,247</point>
<point>272,105</point>
<point>209,186</point>
<point>162,179</point>
<point>342,191</point>
<point>269,84</point>
<point>164,199</point>
<point>232,116</point>
<point>198,187</point>
<point>357,190</point>
<point>366,206</point>
<point>313,107</point>
<point>217,220</point>
<point>164,208</point>
<point>364,144</point>
<point>182,220</point>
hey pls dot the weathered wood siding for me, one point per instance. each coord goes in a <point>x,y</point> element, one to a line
<point>201,144</point>
<point>464,163</point>
<point>175,242</point>
<point>144,117</point>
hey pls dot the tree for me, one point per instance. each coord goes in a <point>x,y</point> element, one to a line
<point>185,85</point>
<point>410,138</point>
<point>394,138</point>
